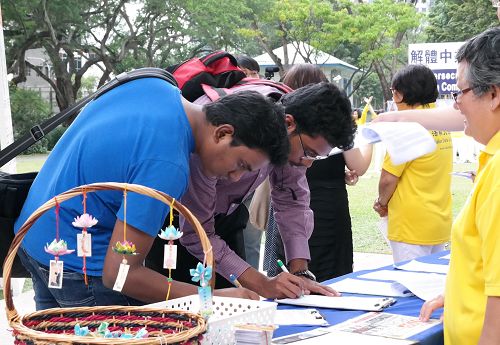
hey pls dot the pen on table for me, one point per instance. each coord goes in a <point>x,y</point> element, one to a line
<point>235,281</point>
<point>282,266</point>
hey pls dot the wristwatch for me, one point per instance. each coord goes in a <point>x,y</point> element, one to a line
<point>305,273</point>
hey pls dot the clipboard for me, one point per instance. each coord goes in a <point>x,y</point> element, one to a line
<point>342,302</point>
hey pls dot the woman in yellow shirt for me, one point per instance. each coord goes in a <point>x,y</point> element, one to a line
<point>473,284</point>
<point>416,195</point>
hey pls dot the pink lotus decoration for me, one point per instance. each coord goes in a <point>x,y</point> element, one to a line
<point>58,248</point>
<point>84,221</point>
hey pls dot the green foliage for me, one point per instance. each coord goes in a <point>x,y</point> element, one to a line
<point>459,20</point>
<point>369,87</point>
<point>28,109</point>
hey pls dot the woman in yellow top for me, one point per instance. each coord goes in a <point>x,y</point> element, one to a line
<point>416,195</point>
<point>473,284</point>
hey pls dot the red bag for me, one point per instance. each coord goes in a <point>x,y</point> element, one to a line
<point>218,69</point>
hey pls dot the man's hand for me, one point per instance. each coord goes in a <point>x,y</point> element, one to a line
<point>317,288</point>
<point>380,209</point>
<point>237,293</point>
<point>429,307</point>
<point>284,285</point>
<point>351,177</point>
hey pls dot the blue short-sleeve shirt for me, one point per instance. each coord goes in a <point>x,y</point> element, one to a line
<point>136,133</point>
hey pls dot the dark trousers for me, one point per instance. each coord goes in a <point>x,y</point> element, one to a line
<point>229,228</point>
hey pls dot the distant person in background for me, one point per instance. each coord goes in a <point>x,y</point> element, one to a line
<point>249,66</point>
<point>356,114</point>
<point>416,196</point>
<point>252,235</point>
<point>330,244</point>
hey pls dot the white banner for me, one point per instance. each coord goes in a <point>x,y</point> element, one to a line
<point>441,59</point>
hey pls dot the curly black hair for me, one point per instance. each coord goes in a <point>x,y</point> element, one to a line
<point>258,123</point>
<point>322,110</point>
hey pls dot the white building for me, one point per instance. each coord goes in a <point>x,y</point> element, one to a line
<point>34,82</point>
<point>336,70</point>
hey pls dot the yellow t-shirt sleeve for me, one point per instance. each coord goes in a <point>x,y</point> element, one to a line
<point>390,167</point>
<point>488,225</point>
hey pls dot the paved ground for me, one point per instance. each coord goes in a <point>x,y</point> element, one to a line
<point>24,302</point>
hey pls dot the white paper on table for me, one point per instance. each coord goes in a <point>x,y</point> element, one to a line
<point>405,141</point>
<point>337,337</point>
<point>385,325</point>
<point>446,256</point>
<point>370,287</point>
<point>425,286</point>
<point>303,317</point>
<point>393,275</point>
<point>342,302</point>
<point>418,266</point>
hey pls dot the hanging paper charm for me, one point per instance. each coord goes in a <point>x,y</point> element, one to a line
<point>57,247</point>
<point>124,248</point>
<point>170,234</point>
<point>203,274</point>
<point>84,239</point>
<point>84,221</point>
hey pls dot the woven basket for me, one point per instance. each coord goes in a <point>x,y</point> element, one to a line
<point>164,325</point>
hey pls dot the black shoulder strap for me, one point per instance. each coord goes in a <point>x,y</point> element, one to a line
<point>38,131</point>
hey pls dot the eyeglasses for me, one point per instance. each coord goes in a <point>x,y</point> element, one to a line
<point>460,92</point>
<point>306,155</point>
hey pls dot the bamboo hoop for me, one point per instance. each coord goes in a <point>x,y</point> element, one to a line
<point>42,338</point>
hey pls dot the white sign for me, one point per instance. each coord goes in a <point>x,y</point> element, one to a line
<point>441,59</point>
<point>434,55</point>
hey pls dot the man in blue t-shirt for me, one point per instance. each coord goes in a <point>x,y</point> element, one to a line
<point>120,137</point>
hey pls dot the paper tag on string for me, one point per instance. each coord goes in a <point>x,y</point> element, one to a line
<point>205,293</point>
<point>121,277</point>
<point>84,244</point>
<point>170,256</point>
<point>56,274</point>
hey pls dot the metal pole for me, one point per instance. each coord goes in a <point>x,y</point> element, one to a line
<point>6,133</point>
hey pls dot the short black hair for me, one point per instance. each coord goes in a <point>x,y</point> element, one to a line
<point>322,109</point>
<point>258,123</point>
<point>247,62</point>
<point>417,84</point>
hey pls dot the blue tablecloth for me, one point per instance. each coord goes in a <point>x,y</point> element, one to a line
<point>404,306</point>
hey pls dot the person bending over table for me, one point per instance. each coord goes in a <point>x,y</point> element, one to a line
<point>330,244</point>
<point>318,118</point>
<point>118,138</point>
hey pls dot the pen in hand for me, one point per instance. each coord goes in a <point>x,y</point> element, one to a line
<point>284,269</point>
<point>282,266</point>
<point>235,281</point>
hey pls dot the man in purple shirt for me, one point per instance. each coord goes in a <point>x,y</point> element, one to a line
<point>318,119</point>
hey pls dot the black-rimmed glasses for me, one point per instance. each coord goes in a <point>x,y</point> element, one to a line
<point>308,156</point>
<point>460,92</point>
